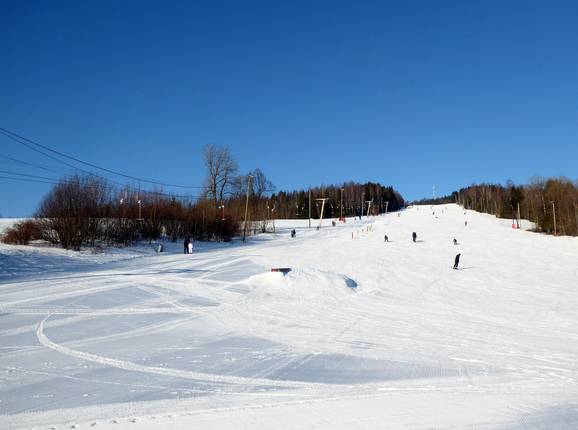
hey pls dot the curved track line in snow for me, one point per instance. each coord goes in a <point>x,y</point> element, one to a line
<point>85,311</point>
<point>175,373</point>
<point>92,312</point>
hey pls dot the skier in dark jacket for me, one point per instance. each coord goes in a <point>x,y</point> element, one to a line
<point>457,261</point>
<point>186,245</point>
<point>455,241</point>
<point>386,238</point>
<point>414,236</point>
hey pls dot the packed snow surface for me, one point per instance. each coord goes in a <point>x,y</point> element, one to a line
<point>360,334</point>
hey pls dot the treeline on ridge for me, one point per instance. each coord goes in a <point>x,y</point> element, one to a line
<point>550,203</point>
<point>87,210</point>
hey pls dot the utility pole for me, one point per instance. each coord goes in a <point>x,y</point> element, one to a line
<point>576,215</point>
<point>309,207</point>
<point>249,177</point>
<point>554,213</point>
<point>341,206</point>
<point>386,205</point>
<point>138,200</point>
<point>518,214</point>
<point>139,207</point>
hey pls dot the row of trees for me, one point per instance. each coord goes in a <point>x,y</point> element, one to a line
<point>551,204</point>
<point>85,210</point>
<point>349,199</point>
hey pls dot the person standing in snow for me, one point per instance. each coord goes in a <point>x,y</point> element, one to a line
<point>457,261</point>
<point>386,239</point>
<point>455,241</point>
<point>186,245</point>
<point>190,246</point>
<point>414,236</point>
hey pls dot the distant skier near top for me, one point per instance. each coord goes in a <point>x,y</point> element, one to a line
<point>457,261</point>
<point>414,236</point>
<point>293,233</point>
<point>455,241</point>
<point>386,238</point>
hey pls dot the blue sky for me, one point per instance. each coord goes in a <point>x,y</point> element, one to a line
<point>407,93</point>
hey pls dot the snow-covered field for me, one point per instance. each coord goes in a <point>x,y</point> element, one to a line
<point>361,334</point>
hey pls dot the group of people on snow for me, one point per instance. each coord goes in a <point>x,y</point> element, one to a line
<point>188,246</point>
<point>414,239</point>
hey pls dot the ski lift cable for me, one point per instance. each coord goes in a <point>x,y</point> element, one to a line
<point>28,143</point>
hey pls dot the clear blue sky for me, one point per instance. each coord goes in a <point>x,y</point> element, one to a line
<point>407,93</point>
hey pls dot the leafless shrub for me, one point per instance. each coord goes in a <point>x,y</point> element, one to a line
<point>74,210</point>
<point>22,233</point>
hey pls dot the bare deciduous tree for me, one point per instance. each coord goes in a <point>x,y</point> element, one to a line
<point>261,186</point>
<point>221,169</point>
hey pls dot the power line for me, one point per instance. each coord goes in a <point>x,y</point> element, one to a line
<point>86,172</point>
<point>27,142</point>
<point>27,180</point>
<point>30,176</point>
<point>52,181</point>
<point>36,166</point>
<point>17,140</point>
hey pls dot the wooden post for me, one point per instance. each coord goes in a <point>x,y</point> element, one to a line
<point>554,213</point>
<point>341,206</point>
<point>309,207</point>
<point>576,215</point>
<point>246,207</point>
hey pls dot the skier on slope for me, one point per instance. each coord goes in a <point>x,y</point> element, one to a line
<point>455,241</point>
<point>414,236</point>
<point>386,239</point>
<point>186,245</point>
<point>457,261</point>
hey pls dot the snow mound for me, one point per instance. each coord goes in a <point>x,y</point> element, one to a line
<point>301,284</point>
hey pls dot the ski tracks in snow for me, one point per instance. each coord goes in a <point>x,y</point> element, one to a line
<point>175,373</point>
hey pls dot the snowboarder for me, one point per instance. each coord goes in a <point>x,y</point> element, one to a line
<point>190,247</point>
<point>186,245</point>
<point>293,233</point>
<point>455,241</point>
<point>457,261</point>
<point>414,236</point>
<point>386,238</point>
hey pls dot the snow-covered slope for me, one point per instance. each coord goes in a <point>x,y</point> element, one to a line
<point>361,334</point>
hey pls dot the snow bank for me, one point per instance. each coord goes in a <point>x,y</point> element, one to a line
<point>301,284</point>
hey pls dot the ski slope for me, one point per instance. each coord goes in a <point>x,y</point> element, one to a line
<point>361,334</point>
